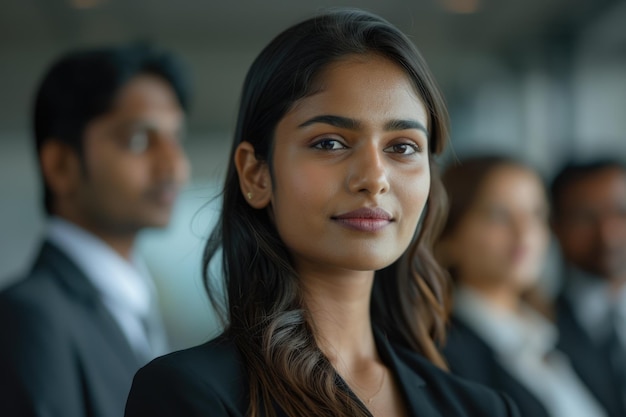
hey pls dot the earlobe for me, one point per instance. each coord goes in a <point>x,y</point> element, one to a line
<point>254,176</point>
<point>60,167</point>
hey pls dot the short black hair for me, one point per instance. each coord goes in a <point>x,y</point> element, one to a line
<point>575,170</point>
<point>81,85</point>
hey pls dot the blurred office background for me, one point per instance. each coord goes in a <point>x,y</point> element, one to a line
<point>540,79</point>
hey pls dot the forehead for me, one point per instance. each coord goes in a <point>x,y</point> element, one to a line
<point>143,92</point>
<point>512,181</point>
<point>367,85</point>
<point>605,185</point>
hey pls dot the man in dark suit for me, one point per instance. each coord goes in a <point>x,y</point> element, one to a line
<point>107,127</point>
<point>589,220</point>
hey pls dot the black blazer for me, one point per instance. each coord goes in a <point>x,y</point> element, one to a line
<point>61,353</point>
<point>591,365</point>
<point>469,356</point>
<point>210,380</point>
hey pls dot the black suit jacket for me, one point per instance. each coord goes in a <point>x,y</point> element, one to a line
<point>591,365</point>
<point>469,356</point>
<point>61,353</point>
<point>210,380</point>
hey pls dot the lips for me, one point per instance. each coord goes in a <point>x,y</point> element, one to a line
<point>365,219</point>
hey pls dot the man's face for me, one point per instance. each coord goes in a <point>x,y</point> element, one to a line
<point>591,223</point>
<point>133,159</point>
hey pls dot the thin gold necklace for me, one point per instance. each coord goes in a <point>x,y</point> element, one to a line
<point>369,399</point>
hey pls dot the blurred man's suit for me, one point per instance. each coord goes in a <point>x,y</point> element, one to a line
<point>84,318</point>
<point>91,360</point>
<point>589,359</point>
<point>589,221</point>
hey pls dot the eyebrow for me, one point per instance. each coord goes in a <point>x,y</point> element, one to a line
<point>353,124</point>
<point>404,124</point>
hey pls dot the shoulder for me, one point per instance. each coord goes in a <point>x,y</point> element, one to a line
<point>459,335</point>
<point>209,362</point>
<point>36,295</point>
<point>33,305</point>
<point>53,292</point>
<point>209,377</point>
<point>455,396</point>
<point>39,286</point>
<point>462,342</point>
<point>34,348</point>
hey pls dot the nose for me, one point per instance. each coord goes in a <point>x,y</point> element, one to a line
<point>170,161</point>
<point>368,172</point>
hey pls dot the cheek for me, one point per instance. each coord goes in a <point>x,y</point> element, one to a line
<point>576,240</point>
<point>482,246</point>
<point>540,239</point>
<point>491,238</point>
<point>302,187</point>
<point>119,175</point>
<point>412,193</point>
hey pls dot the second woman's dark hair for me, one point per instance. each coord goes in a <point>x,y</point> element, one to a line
<point>264,311</point>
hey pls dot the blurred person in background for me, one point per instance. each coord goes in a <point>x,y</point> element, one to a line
<point>107,130</point>
<point>494,243</point>
<point>589,221</point>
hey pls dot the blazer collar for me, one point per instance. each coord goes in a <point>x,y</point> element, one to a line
<point>400,361</point>
<point>66,272</point>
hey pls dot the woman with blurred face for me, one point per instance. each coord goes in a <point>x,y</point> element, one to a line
<point>494,243</point>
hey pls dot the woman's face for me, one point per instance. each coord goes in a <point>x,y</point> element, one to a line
<point>351,168</point>
<point>504,234</point>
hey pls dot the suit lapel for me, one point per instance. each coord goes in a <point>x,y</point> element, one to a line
<point>588,362</point>
<point>487,368</point>
<point>79,289</point>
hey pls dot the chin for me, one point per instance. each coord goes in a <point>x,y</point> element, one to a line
<point>370,263</point>
<point>157,222</point>
<point>525,282</point>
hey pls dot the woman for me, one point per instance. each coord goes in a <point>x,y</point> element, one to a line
<point>330,171</point>
<point>494,243</point>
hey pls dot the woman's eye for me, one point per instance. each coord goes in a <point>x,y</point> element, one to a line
<point>403,148</point>
<point>329,145</point>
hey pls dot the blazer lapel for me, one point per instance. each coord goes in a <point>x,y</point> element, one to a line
<point>412,385</point>
<point>587,361</point>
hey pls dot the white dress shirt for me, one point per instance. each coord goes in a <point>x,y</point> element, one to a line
<point>125,288</point>
<point>525,345</point>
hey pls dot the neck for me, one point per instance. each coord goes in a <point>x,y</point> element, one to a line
<point>339,307</point>
<point>503,297</point>
<point>122,243</point>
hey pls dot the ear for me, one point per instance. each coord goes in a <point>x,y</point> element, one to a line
<point>61,167</point>
<point>254,176</point>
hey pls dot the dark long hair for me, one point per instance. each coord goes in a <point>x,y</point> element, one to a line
<point>264,311</point>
